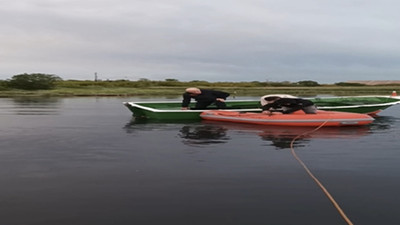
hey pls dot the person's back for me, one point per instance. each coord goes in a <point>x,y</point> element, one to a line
<point>288,105</point>
<point>204,98</point>
<point>263,100</point>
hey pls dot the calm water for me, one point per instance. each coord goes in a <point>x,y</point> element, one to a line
<point>84,161</point>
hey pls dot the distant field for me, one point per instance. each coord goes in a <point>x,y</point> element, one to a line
<point>177,91</point>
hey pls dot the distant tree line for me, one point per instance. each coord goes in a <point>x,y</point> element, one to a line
<point>40,81</point>
<point>35,81</point>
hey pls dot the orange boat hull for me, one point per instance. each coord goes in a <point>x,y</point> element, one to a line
<point>299,118</point>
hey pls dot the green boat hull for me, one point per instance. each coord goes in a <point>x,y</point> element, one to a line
<point>363,104</point>
<point>172,110</point>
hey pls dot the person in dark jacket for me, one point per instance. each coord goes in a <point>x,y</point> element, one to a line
<point>204,98</point>
<point>276,104</point>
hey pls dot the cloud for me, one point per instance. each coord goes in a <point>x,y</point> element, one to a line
<point>327,41</point>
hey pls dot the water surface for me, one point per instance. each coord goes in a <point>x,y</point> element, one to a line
<point>85,161</point>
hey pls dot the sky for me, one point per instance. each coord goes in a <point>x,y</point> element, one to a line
<point>219,40</point>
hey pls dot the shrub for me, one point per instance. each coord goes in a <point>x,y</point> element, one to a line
<point>308,83</point>
<point>349,84</point>
<point>34,81</point>
<point>3,85</point>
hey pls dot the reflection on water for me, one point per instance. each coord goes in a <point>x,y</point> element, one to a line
<point>383,123</point>
<point>193,133</point>
<point>31,106</point>
<point>281,137</point>
<point>197,135</point>
<point>137,125</point>
<point>282,141</point>
<point>214,132</point>
<point>210,132</point>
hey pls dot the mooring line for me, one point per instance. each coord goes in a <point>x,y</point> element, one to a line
<point>341,212</point>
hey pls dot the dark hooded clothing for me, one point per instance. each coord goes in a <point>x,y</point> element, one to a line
<point>206,98</point>
<point>289,105</point>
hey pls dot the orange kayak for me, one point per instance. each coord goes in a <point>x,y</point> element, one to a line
<point>298,118</point>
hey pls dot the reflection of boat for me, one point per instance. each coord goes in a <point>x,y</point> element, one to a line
<point>203,134</point>
<point>281,136</point>
<point>298,118</point>
<point>172,109</point>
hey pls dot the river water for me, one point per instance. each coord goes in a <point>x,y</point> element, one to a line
<point>85,161</point>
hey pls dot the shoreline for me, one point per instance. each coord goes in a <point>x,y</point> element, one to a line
<point>177,91</point>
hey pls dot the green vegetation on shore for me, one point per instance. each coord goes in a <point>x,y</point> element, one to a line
<point>172,87</point>
<point>95,90</point>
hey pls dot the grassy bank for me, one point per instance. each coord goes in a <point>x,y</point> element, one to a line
<point>176,91</point>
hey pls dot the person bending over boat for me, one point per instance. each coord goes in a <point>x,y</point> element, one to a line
<point>278,105</point>
<point>204,98</point>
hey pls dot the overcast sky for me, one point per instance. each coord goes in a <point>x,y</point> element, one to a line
<point>220,40</point>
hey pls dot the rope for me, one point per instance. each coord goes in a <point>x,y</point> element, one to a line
<point>341,212</point>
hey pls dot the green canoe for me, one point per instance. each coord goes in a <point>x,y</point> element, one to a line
<point>171,110</point>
